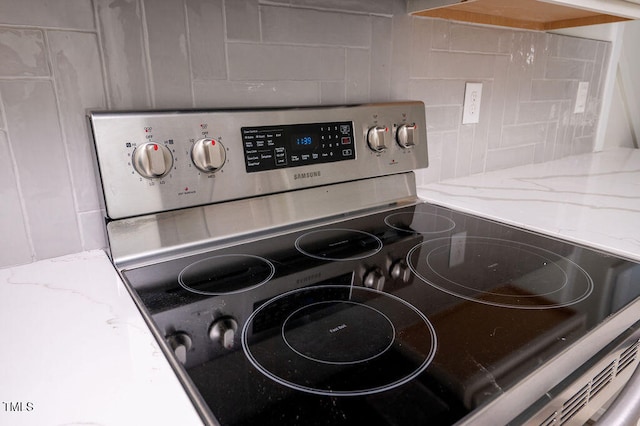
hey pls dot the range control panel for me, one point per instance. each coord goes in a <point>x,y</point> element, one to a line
<point>273,147</point>
<point>156,161</point>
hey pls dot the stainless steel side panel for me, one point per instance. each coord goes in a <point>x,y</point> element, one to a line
<point>127,194</point>
<point>159,236</point>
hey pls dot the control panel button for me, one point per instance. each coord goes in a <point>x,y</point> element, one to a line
<point>376,138</point>
<point>208,155</point>
<point>152,160</point>
<point>223,331</point>
<point>405,136</point>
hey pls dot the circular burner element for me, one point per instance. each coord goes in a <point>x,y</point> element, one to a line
<point>338,244</point>
<point>226,274</point>
<point>338,340</point>
<point>334,341</point>
<point>420,223</point>
<point>500,272</point>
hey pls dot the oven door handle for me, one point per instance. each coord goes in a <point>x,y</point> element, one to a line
<point>625,409</point>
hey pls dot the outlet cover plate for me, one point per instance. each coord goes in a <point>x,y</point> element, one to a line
<point>471,107</point>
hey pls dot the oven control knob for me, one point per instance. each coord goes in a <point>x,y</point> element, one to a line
<point>405,136</point>
<point>208,155</point>
<point>180,343</point>
<point>374,278</point>
<point>152,160</point>
<point>376,138</point>
<point>400,270</point>
<point>223,331</point>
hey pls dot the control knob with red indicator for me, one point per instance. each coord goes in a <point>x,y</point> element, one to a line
<point>152,160</point>
<point>376,138</point>
<point>405,135</point>
<point>208,155</point>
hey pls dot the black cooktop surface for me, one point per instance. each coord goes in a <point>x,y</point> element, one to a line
<point>415,315</point>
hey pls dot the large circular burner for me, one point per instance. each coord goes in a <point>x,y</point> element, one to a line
<point>500,272</point>
<point>339,340</point>
<point>420,223</point>
<point>338,244</point>
<point>226,274</point>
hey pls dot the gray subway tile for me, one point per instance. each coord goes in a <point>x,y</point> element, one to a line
<point>124,53</point>
<point>206,39</point>
<point>381,63</point>
<point>443,118</point>
<point>449,155</point>
<point>438,91</point>
<point>523,134</point>
<point>222,93</point>
<point>42,166</point>
<point>565,69</point>
<point>92,230</point>
<point>504,158</point>
<point>465,151</point>
<point>401,55</point>
<point>309,26</point>
<point>75,14</point>
<point>459,65</point>
<point>531,112</point>
<point>333,92</point>
<point>356,81</point>
<point>470,38</point>
<point>577,48</point>
<point>79,87</point>
<point>15,249</point>
<point>441,37</point>
<point>419,54</point>
<point>243,20</point>
<point>387,7</point>
<point>169,60</point>
<point>548,90</point>
<point>23,53</point>
<point>582,145</point>
<point>258,62</point>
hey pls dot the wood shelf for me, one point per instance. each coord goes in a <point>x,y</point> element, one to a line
<point>526,14</point>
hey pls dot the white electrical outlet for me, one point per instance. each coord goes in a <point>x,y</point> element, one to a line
<point>581,97</point>
<point>471,107</point>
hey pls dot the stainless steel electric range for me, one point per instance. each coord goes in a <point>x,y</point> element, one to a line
<point>292,276</point>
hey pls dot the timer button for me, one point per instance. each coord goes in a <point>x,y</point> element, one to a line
<point>152,160</point>
<point>376,138</point>
<point>208,155</point>
<point>405,135</point>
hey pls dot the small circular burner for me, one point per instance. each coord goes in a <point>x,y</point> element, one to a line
<point>338,244</point>
<point>420,223</point>
<point>226,274</point>
<point>338,340</point>
<point>500,272</point>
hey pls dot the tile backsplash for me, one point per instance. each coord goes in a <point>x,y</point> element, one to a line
<point>60,59</point>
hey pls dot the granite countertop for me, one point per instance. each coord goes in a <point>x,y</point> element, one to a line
<point>77,351</point>
<point>590,199</point>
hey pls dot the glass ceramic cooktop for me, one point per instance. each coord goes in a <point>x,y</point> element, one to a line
<point>416,315</point>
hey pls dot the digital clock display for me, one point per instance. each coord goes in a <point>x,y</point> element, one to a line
<point>305,141</point>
